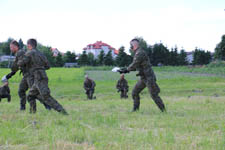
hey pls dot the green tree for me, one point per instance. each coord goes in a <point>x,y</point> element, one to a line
<point>182,58</point>
<point>21,45</point>
<point>91,60</point>
<point>59,61</point>
<point>108,60</point>
<point>4,47</point>
<point>70,57</point>
<point>201,57</point>
<point>101,58</point>
<point>123,59</point>
<point>160,54</point>
<point>83,59</point>
<point>220,49</point>
<point>173,57</point>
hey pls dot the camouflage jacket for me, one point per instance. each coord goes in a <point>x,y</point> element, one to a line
<point>4,90</point>
<point>89,84</point>
<point>19,55</point>
<point>141,63</point>
<point>122,84</point>
<point>34,60</point>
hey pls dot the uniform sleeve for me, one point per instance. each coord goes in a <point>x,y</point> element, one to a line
<point>126,84</point>
<point>118,84</point>
<point>136,62</point>
<point>25,59</point>
<point>93,84</point>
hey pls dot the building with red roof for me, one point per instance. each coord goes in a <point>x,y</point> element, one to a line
<point>99,46</point>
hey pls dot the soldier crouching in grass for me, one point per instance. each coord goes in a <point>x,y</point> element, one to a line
<point>89,86</point>
<point>122,86</point>
<point>5,91</point>
<point>142,64</point>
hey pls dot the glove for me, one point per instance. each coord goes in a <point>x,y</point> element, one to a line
<point>4,79</point>
<point>8,76</point>
<point>123,70</point>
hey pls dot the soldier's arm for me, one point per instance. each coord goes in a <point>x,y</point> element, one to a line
<point>118,84</point>
<point>93,84</point>
<point>136,62</point>
<point>25,59</point>
<point>85,87</point>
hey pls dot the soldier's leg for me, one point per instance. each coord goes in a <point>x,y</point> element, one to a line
<point>40,98</point>
<point>135,94</point>
<point>154,90</point>
<point>31,98</point>
<point>121,94</point>
<point>23,87</point>
<point>43,89</point>
<point>9,98</point>
<point>30,82</point>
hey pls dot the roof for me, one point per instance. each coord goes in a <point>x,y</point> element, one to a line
<point>98,46</point>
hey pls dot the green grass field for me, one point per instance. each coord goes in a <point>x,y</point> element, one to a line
<point>195,117</point>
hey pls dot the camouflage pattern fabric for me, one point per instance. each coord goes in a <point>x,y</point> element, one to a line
<point>89,86</point>
<point>122,87</point>
<point>37,63</point>
<point>5,93</point>
<point>142,64</point>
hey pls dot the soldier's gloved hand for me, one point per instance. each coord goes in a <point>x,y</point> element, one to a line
<point>4,79</point>
<point>123,70</point>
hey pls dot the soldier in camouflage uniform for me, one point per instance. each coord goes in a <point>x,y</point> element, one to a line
<point>23,86</point>
<point>142,64</point>
<point>89,86</point>
<point>122,87</point>
<point>37,63</point>
<point>5,92</point>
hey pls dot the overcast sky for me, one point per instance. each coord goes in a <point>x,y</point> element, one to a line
<point>72,24</point>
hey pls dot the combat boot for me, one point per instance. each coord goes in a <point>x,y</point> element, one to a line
<point>136,107</point>
<point>33,108</point>
<point>63,111</point>
<point>22,107</point>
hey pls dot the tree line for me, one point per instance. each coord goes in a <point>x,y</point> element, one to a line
<point>158,53</point>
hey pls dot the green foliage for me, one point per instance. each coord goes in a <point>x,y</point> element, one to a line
<point>160,54</point>
<point>4,47</point>
<point>21,43</point>
<point>220,49</point>
<point>59,61</point>
<point>108,59</point>
<point>201,57</point>
<point>83,59</point>
<point>101,58</point>
<point>69,57</point>
<point>182,58</point>
<point>123,59</point>
<point>91,59</point>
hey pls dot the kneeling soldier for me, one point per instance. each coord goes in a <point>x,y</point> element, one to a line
<point>89,86</point>
<point>5,92</point>
<point>122,87</point>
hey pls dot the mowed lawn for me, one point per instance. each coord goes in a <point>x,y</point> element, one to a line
<point>195,117</point>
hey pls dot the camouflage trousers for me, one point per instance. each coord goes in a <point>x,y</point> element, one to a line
<point>90,93</point>
<point>24,85</point>
<point>123,93</point>
<point>40,87</point>
<point>153,89</point>
<point>8,96</point>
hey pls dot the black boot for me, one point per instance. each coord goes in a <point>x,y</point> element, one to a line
<point>22,107</point>
<point>33,107</point>
<point>136,107</point>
